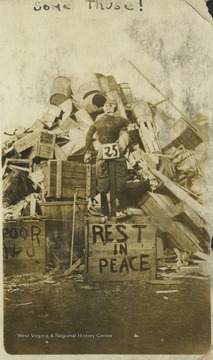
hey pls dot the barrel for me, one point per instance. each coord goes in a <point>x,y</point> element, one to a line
<point>108,83</point>
<point>125,94</point>
<point>88,88</point>
<point>147,128</point>
<point>94,102</point>
<point>60,91</point>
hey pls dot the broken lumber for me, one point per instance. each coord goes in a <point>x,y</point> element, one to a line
<point>182,195</point>
<point>73,267</point>
<point>161,207</point>
<point>184,213</point>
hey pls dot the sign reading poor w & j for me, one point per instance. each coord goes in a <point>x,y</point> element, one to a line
<point>120,251</point>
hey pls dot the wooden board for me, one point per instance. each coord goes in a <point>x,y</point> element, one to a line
<point>23,246</point>
<point>182,195</point>
<point>120,252</point>
<point>183,212</point>
<point>162,208</point>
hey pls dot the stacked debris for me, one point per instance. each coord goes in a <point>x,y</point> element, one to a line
<point>44,163</point>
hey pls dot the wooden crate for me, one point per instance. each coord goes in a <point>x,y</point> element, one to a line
<point>42,143</point>
<point>23,247</point>
<point>64,178</point>
<point>128,255</point>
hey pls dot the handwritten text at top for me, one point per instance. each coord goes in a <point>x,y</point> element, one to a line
<point>91,5</point>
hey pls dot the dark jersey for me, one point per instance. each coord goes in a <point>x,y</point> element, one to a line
<point>108,128</point>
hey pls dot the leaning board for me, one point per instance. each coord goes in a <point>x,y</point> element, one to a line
<point>120,251</point>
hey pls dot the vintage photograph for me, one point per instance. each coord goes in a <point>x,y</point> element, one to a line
<point>107,195</point>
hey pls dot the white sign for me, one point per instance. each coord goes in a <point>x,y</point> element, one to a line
<point>111,151</point>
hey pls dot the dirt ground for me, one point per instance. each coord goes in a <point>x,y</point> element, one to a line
<point>69,316</point>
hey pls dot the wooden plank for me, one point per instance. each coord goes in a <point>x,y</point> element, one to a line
<point>23,267</point>
<point>15,167</point>
<point>180,235</point>
<point>182,211</point>
<point>88,179</point>
<point>109,246</point>
<point>18,161</point>
<point>203,256</point>
<point>73,267</point>
<point>50,180</point>
<point>56,210</point>
<point>182,195</point>
<point>119,232</point>
<point>112,188</point>
<point>59,175</point>
<point>32,205</point>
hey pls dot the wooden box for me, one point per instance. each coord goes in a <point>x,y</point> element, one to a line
<point>120,251</point>
<point>23,247</point>
<point>41,142</point>
<point>64,178</point>
<point>44,147</point>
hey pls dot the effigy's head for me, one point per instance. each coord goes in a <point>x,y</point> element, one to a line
<point>110,106</point>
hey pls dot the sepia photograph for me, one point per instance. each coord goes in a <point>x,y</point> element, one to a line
<point>107,196</point>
